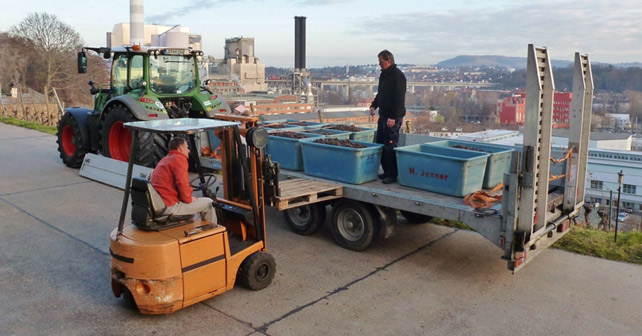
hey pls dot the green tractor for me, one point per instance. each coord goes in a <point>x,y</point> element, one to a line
<point>147,83</point>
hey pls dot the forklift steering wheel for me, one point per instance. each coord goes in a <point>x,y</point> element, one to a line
<point>210,179</point>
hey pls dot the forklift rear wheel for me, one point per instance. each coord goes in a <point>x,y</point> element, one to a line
<point>306,219</point>
<point>257,270</point>
<point>353,225</point>
<point>129,299</point>
<point>415,218</point>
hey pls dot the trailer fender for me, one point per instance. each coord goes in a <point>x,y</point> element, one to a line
<point>81,115</point>
<point>387,220</point>
<point>136,108</point>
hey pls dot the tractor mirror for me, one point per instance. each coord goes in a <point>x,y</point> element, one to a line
<point>82,62</point>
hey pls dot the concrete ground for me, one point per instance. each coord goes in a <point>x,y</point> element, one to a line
<point>426,280</point>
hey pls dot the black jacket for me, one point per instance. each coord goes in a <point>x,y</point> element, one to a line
<point>391,95</point>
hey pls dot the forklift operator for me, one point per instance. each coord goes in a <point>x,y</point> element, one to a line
<point>171,181</point>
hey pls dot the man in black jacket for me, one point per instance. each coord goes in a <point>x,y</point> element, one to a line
<point>390,101</point>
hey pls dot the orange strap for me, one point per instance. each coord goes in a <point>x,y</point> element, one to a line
<point>563,158</point>
<point>482,199</point>
<point>555,177</point>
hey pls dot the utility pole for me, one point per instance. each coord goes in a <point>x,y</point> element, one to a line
<point>610,207</point>
<point>4,112</point>
<point>620,177</point>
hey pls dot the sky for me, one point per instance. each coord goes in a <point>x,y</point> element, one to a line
<point>341,32</point>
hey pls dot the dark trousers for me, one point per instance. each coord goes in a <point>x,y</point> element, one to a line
<point>389,137</point>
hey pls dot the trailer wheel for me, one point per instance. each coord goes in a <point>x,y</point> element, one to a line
<point>257,270</point>
<point>353,225</point>
<point>70,141</point>
<point>306,219</point>
<point>116,139</point>
<point>415,218</point>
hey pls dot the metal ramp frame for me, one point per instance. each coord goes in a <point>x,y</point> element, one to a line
<point>580,130</point>
<point>538,120</point>
<point>109,171</point>
<point>530,213</point>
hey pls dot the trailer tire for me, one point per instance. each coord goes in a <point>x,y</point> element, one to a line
<point>257,270</point>
<point>415,218</point>
<point>116,139</point>
<point>353,225</point>
<point>70,141</point>
<point>306,219</point>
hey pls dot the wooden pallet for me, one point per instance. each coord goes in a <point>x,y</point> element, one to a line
<point>298,192</point>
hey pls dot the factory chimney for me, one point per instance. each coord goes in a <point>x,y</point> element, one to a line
<point>299,42</point>
<point>136,22</point>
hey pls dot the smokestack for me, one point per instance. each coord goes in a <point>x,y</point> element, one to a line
<point>136,22</point>
<point>299,42</point>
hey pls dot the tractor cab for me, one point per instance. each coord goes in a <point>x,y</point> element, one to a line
<point>163,263</point>
<point>147,83</point>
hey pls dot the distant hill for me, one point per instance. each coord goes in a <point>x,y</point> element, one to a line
<point>626,65</point>
<point>492,61</point>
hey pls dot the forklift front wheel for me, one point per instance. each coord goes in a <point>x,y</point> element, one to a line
<point>306,219</point>
<point>257,270</point>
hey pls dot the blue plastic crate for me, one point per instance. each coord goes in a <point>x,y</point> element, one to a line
<point>344,164</point>
<point>308,124</point>
<point>342,135</point>
<point>444,170</point>
<point>285,127</point>
<point>498,162</point>
<point>287,151</point>
<point>365,134</point>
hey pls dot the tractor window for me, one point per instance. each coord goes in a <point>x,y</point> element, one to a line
<point>136,72</point>
<point>119,75</point>
<point>172,74</point>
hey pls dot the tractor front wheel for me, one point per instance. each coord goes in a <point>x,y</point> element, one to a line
<point>70,141</point>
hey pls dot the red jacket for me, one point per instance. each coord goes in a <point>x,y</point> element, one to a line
<point>170,179</point>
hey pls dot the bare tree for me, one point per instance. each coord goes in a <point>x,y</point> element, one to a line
<point>55,44</point>
<point>14,58</point>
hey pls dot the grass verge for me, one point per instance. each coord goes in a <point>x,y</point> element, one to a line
<point>601,244</point>
<point>29,124</point>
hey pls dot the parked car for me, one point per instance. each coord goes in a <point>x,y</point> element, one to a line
<point>628,210</point>
<point>622,216</point>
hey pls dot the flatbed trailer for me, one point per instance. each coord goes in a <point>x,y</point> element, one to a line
<point>363,213</point>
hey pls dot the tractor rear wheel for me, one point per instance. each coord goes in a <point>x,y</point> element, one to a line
<point>70,141</point>
<point>117,139</point>
<point>257,270</point>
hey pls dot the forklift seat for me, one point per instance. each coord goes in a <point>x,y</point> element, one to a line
<point>149,211</point>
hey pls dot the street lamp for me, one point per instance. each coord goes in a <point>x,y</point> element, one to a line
<point>620,177</point>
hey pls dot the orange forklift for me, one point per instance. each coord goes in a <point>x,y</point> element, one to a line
<point>162,263</point>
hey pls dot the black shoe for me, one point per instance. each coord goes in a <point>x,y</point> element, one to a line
<point>389,180</point>
<point>382,176</point>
